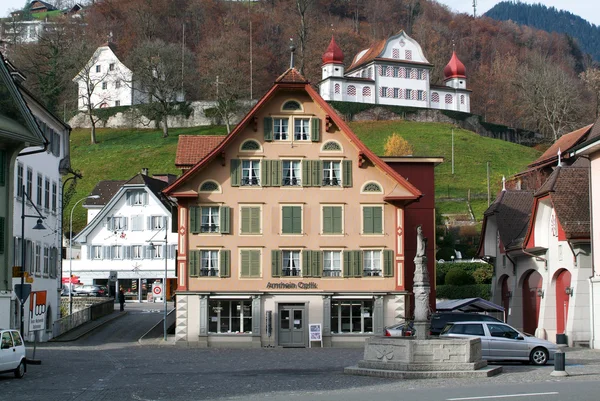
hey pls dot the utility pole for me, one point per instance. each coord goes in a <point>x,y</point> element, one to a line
<point>217,84</point>
<point>452,151</point>
<point>488,182</point>
<point>474,8</point>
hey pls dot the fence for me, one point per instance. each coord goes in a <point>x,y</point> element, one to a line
<point>76,319</point>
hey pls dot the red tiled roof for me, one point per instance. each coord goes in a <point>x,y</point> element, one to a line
<point>291,76</point>
<point>193,148</point>
<point>371,54</point>
<point>564,143</point>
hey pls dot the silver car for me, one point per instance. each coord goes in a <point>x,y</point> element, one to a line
<point>501,342</point>
<point>12,353</point>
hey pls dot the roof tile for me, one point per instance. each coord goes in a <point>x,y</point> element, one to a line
<point>193,148</point>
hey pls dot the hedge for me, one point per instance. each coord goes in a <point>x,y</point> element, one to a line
<point>464,291</point>
<point>443,268</point>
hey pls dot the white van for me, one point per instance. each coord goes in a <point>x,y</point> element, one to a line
<point>12,353</point>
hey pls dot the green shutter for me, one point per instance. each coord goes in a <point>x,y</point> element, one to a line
<point>327,219</point>
<point>195,219</point>
<point>235,172</point>
<point>388,263</point>
<point>193,263</point>
<point>315,134</point>
<point>347,167</point>
<point>286,220</point>
<point>245,263</point>
<point>357,263</point>
<point>265,173</point>
<point>3,168</point>
<point>336,219</point>
<point>268,122</point>
<point>254,263</point>
<point>317,173</point>
<point>317,263</point>
<point>367,220</point>
<point>306,263</point>
<point>225,217</point>
<point>296,220</point>
<point>276,263</point>
<point>276,173</point>
<point>347,264</point>
<point>245,220</point>
<point>378,220</point>
<point>255,220</point>
<point>225,269</point>
<point>306,173</point>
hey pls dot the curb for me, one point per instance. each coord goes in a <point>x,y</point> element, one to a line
<point>91,328</point>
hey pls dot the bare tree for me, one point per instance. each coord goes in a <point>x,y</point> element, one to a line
<point>303,8</point>
<point>591,78</point>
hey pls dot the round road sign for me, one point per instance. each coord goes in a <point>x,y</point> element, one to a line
<point>157,290</point>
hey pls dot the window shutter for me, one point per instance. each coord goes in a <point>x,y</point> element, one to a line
<point>378,220</point>
<point>149,223</point>
<point>358,263</point>
<point>173,251</point>
<point>306,263</point>
<point>255,220</point>
<point>89,248</point>
<point>367,220</point>
<point>388,263</point>
<point>268,122</point>
<point>255,263</point>
<point>145,199</point>
<point>109,223</point>
<point>315,134</point>
<point>346,256</point>
<point>296,219</point>
<point>194,219</point>
<point>336,219</point>
<point>125,221</point>
<point>106,252</point>
<point>245,262</point>
<point>306,173</point>
<point>286,220</point>
<point>224,215</point>
<point>245,220</point>
<point>225,268</point>
<point>129,198</point>
<point>276,173</point>
<point>317,264</point>
<point>347,167</point>
<point>193,264</point>
<point>327,219</point>
<point>265,173</point>
<point>235,172</point>
<point>276,263</point>
<point>317,173</point>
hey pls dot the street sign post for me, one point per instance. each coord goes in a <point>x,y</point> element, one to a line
<point>22,291</point>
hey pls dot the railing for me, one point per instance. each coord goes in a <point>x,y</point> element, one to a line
<point>371,272</point>
<point>76,319</point>
<point>291,182</point>
<point>291,272</point>
<point>332,273</point>
<point>332,182</point>
<point>209,228</point>
<point>209,272</point>
<point>250,182</point>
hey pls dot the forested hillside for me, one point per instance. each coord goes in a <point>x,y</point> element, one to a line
<point>520,76</point>
<point>552,20</point>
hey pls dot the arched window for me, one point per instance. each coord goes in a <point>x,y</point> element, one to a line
<point>366,91</point>
<point>209,186</point>
<point>435,97</point>
<point>351,91</point>
<point>448,99</point>
<point>331,146</point>
<point>337,88</point>
<point>372,187</point>
<point>291,105</point>
<point>250,145</point>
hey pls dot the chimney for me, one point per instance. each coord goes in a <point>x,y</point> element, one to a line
<point>145,171</point>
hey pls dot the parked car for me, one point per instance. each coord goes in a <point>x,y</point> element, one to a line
<point>12,353</point>
<point>440,319</point>
<point>404,329</point>
<point>501,342</point>
<point>91,291</point>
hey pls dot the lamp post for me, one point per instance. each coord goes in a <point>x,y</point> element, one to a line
<point>164,280</point>
<point>38,226</point>
<point>71,249</point>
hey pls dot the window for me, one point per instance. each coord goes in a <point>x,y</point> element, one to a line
<point>18,243</point>
<point>280,131</point>
<point>291,173</point>
<point>501,330</point>
<point>408,93</point>
<point>372,188</point>
<point>117,252</point>
<point>420,95</point>
<point>366,91</point>
<point>332,263</point>
<point>29,182</point>
<point>372,219</point>
<point>351,316</point>
<point>40,181</point>
<point>291,105</point>
<point>37,258</point>
<point>117,103</point>
<point>462,99</point>
<point>211,186</point>
<point>383,91</point>
<point>448,99</point>
<point>337,88</point>
<point>408,54</point>
<point>46,260</point>
<point>117,84</point>
<point>137,252</point>
<point>116,223</point>
<point>249,146</point>
<point>98,69</point>
<point>209,263</point>
<point>301,129</point>
<point>250,220</point>
<point>435,97</point>
<point>229,316</point>
<point>210,219</point>
<point>111,67</point>
<point>19,190</point>
<point>47,194</point>
<point>104,85</point>
<point>291,219</point>
<point>97,252</point>
<point>157,251</point>
<point>250,263</point>
<point>332,174</point>
<point>332,220</point>
<point>371,263</point>
<point>250,173</point>
<point>291,263</point>
<point>54,196</point>
<point>157,223</point>
<point>137,198</point>
<point>470,329</point>
<point>351,90</point>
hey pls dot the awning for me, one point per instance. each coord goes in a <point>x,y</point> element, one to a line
<point>468,305</point>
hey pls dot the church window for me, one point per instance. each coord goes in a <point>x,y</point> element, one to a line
<point>291,105</point>
<point>366,91</point>
<point>396,93</point>
<point>420,95</point>
<point>413,73</point>
<point>408,93</point>
<point>395,53</point>
<point>380,70</point>
<point>337,88</point>
<point>435,97</point>
<point>448,99</point>
<point>351,91</point>
<point>389,72</point>
<point>408,54</point>
<point>462,99</point>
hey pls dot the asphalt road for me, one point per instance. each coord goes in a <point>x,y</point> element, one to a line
<point>109,364</point>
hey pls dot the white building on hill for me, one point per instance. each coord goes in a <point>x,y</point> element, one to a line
<point>393,72</point>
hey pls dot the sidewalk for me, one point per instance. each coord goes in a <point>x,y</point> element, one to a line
<point>86,328</point>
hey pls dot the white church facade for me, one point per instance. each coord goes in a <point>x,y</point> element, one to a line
<point>393,72</point>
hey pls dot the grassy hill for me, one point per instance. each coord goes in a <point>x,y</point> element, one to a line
<point>122,153</point>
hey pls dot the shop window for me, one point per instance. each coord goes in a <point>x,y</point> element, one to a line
<point>230,316</point>
<point>351,316</point>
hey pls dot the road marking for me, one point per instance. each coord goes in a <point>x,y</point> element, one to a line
<point>502,396</point>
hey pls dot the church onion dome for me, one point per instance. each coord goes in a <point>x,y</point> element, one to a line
<point>333,54</point>
<point>454,69</point>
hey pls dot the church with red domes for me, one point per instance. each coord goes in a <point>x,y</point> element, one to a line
<point>393,72</point>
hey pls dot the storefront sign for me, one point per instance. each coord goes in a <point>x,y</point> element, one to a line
<point>292,286</point>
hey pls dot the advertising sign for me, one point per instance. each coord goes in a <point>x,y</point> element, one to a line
<point>315,334</point>
<point>37,310</point>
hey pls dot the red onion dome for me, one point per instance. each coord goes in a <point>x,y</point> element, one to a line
<point>454,69</point>
<point>333,54</point>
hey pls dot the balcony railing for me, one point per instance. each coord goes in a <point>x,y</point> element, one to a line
<point>332,273</point>
<point>250,182</point>
<point>209,272</point>
<point>209,228</point>
<point>291,182</point>
<point>371,272</point>
<point>331,182</point>
<point>290,272</point>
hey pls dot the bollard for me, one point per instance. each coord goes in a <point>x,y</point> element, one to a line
<point>559,364</point>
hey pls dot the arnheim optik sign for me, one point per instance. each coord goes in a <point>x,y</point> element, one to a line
<point>292,286</point>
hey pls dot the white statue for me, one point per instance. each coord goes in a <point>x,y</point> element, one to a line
<point>421,242</point>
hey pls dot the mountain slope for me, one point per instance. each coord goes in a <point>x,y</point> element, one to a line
<point>551,20</point>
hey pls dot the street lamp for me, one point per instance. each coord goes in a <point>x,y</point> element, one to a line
<point>164,281</point>
<point>38,226</point>
<point>71,250</point>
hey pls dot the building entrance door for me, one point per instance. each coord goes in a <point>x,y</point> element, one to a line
<point>291,326</point>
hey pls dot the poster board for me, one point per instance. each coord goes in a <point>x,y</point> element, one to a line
<point>315,334</point>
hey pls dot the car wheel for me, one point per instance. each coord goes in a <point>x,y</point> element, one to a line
<point>20,370</point>
<point>539,356</point>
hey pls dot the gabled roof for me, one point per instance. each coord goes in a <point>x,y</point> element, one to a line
<point>112,47</point>
<point>293,79</point>
<point>564,144</point>
<point>106,190</point>
<point>48,6</point>
<point>193,148</point>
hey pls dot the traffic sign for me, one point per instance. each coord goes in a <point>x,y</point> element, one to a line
<point>157,290</point>
<point>112,276</point>
<point>23,291</point>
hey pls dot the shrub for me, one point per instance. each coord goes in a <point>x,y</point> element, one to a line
<point>458,276</point>
<point>483,275</point>
<point>464,291</point>
<point>397,146</point>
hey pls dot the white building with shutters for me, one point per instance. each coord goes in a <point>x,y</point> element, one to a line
<point>393,72</point>
<point>126,232</point>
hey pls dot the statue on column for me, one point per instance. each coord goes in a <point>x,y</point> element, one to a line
<point>421,287</point>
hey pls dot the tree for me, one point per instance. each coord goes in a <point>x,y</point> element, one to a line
<point>159,72</point>
<point>591,78</point>
<point>397,146</point>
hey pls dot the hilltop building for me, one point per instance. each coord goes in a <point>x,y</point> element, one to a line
<point>393,72</point>
<point>291,222</point>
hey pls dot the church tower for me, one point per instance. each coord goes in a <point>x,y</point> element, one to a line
<point>455,73</point>
<point>333,61</point>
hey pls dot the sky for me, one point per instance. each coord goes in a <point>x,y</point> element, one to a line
<point>586,9</point>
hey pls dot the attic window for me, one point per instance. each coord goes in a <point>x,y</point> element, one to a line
<point>209,186</point>
<point>291,105</point>
<point>250,145</point>
<point>372,187</point>
<point>97,68</point>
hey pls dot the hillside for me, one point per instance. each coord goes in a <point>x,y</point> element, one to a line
<point>123,153</point>
<point>551,20</point>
